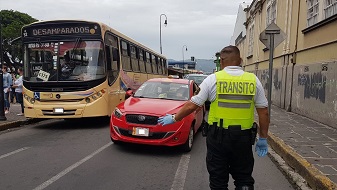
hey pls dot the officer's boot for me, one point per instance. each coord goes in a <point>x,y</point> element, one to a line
<point>245,188</point>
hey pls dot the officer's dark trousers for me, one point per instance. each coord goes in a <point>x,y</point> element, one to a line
<point>229,154</point>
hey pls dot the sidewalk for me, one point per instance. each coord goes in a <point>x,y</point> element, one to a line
<point>307,146</point>
<point>12,120</point>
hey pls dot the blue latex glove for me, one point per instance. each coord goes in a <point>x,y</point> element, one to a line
<point>261,147</point>
<point>165,120</point>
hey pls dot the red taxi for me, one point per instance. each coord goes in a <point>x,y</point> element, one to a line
<point>135,119</point>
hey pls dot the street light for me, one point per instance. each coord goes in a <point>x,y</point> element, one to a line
<point>165,23</point>
<point>183,58</point>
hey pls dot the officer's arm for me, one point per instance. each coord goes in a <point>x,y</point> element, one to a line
<point>186,110</point>
<point>263,121</point>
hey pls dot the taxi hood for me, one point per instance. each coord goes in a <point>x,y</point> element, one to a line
<point>150,106</point>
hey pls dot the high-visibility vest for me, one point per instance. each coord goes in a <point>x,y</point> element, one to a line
<point>234,101</point>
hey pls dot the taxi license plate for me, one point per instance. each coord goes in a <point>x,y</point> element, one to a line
<point>138,131</point>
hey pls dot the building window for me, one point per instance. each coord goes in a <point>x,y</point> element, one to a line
<point>271,12</point>
<point>313,11</point>
<point>330,8</point>
<point>251,40</point>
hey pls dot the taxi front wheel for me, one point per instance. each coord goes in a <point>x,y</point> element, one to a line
<point>187,146</point>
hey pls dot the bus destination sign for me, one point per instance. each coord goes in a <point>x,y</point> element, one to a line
<point>64,29</point>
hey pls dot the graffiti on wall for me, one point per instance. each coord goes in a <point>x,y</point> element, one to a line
<point>314,85</point>
<point>264,79</point>
<point>277,81</point>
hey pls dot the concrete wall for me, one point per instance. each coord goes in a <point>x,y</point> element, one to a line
<point>315,91</point>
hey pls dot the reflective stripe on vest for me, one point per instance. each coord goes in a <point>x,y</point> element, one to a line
<point>234,102</point>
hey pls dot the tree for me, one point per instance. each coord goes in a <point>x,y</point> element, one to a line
<point>11,24</point>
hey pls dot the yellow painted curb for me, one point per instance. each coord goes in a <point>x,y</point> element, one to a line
<point>310,173</point>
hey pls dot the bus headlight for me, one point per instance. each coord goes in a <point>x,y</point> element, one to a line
<point>32,100</point>
<point>87,99</point>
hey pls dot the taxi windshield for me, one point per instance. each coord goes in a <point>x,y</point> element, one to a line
<point>76,60</point>
<point>163,90</point>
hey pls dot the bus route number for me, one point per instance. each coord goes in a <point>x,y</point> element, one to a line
<point>43,75</point>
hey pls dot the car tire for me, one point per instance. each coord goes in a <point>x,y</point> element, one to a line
<point>187,146</point>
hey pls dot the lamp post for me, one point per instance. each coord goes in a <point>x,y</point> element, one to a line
<point>2,98</point>
<point>165,23</point>
<point>184,59</point>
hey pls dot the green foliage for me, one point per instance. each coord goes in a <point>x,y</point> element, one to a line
<point>11,24</point>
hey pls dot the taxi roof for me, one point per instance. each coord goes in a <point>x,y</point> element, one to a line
<point>181,81</point>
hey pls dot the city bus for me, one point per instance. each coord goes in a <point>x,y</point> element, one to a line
<point>76,69</point>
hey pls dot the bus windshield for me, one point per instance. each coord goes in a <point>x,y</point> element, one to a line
<point>76,60</point>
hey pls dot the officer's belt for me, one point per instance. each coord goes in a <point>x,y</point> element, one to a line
<point>246,132</point>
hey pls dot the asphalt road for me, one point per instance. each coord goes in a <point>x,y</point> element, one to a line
<point>57,154</point>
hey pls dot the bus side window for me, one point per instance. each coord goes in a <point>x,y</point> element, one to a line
<point>141,60</point>
<point>164,66</point>
<point>134,59</point>
<point>126,61</point>
<point>154,64</point>
<point>159,61</point>
<point>148,62</point>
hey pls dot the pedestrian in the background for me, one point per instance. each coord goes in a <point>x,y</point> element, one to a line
<point>7,83</point>
<point>12,92</point>
<point>18,90</point>
<point>233,94</point>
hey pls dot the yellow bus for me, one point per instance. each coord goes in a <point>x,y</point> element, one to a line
<point>75,69</point>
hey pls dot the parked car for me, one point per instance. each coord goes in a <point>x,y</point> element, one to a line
<point>198,78</point>
<point>135,119</point>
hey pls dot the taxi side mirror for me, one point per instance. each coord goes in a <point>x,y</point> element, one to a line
<point>128,94</point>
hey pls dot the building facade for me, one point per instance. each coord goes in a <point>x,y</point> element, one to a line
<point>304,77</point>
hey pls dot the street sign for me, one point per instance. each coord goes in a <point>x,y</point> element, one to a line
<point>271,37</point>
<point>278,37</point>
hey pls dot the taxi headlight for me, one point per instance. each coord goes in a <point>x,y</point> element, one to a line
<point>118,113</point>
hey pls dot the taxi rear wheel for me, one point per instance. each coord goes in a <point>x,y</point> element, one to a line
<point>187,146</point>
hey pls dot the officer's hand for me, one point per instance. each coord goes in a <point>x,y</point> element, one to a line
<point>261,147</point>
<point>165,120</point>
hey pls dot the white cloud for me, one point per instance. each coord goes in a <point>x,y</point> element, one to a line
<point>204,26</point>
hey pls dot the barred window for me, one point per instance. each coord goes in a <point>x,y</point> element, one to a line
<point>271,12</point>
<point>313,12</point>
<point>251,40</point>
<point>330,8</point>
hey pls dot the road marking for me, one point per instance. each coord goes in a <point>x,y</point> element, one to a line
<point>14,152</point>
<point>180,176</point>
<point>70,168</point>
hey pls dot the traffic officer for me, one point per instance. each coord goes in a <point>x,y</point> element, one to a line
<point>233,94</point>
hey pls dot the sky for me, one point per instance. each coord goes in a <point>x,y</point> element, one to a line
<point>204,26</point>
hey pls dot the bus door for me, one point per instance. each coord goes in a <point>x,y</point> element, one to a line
<point>113,67</point>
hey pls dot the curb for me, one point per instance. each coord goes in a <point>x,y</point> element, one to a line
<point>310,173</point>
<point>14,124</point>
